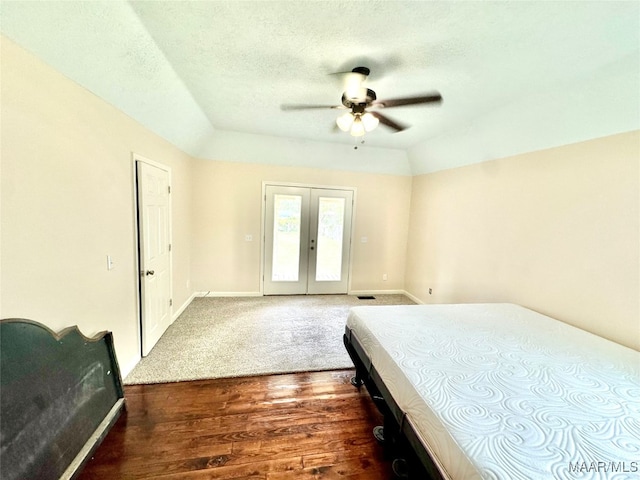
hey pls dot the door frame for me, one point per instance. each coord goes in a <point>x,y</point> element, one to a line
<point>135,158</point>
<point>303,185</point>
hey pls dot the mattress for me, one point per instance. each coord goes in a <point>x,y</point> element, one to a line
<point>498,391</point>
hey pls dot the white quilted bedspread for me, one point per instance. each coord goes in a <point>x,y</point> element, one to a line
<point>498,391</point>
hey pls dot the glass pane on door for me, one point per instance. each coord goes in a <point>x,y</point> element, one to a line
<point>329,244</point>
<point>287,220</point>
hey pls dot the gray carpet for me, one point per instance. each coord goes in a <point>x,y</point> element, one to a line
<point>232,337</point>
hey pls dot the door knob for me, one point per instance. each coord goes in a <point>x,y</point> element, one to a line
<point>150,272</point>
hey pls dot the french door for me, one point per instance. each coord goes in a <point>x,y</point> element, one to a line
<point>307,240</point>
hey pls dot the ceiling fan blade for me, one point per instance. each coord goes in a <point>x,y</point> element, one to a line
<point>399,102</point>
<point>289,106</point>
<point>398,127</point>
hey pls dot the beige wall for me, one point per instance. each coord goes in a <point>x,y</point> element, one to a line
<point>227,205</point>
<point>555,230</point>
<point>68,201</point>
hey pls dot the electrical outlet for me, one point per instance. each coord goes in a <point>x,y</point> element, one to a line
<point>430,291</point>
<point>384,277</point>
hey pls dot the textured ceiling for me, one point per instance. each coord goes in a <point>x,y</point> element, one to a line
<point>515,76</point>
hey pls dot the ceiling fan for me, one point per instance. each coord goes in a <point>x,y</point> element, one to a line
<point>359,99</point>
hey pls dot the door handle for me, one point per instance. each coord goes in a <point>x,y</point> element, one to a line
<point>150,272</point>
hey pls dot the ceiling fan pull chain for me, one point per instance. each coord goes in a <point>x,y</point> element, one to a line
<point>355,141</point>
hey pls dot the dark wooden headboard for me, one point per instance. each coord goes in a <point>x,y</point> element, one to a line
<point>59,395</point>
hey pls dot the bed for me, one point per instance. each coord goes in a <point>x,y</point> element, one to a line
<point>499,391</point>
<point>59,396</point>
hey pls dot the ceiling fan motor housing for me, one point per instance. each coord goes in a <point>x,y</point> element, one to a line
<point>356,105</point>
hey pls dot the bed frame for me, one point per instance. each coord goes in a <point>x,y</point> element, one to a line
<point>411,459</point>
<point>59,396</point>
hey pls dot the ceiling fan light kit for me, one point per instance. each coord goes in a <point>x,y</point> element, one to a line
<point>345,121</point>
<point>357,124</point>
<point>357,98</point>
<point>369,121</point>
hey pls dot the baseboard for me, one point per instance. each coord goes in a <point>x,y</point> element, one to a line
<point>414,298</point>
<point>377,292</point>
<point>228,294</point>
<point>387,292</point>
<point>179,311</point>
<point>128,368</point>
<point>259,294</point>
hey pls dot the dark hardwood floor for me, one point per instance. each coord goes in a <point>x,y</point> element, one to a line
<point>279,427</point>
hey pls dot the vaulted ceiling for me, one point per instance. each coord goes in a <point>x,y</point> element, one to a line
<point>515,76</point>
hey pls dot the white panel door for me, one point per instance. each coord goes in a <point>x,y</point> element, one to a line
<point>307,240</point>
<point>155,256</point>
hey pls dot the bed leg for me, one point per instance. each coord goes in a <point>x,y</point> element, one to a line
<point>400,468</point>
<point>356,381</point>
